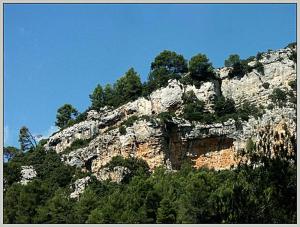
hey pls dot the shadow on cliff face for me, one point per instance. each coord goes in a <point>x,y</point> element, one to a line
<point>181,150</point>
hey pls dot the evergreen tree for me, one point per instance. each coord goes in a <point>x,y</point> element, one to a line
<point>26,139</point>
<point>232,59</point>
<point>65,114</point>
<point>200,67</point>
<point>97,98</point>
<point>109,96</point>
<point>128,87</point>
<point>166,213</point>
<point>167,65</point>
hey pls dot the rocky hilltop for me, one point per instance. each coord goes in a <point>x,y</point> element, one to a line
<point>172,141</point>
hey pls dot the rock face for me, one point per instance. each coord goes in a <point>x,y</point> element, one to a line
<point>27,174</point>
<point>79,186</point>
<point>206,145</point>
<point>117,174</point>
<point>278,72</point>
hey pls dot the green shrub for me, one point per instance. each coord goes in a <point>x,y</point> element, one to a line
<point>292,97</point>
<point>224,106</point>
<point>239,69</point>
<point>293,56</point>
<point>291,45</point>
<point>200,68</point>
<point>278,97</point>
<point>293,84</point>
<point>266,85</point>
<point>78,143</point>
<point>130,121</point>
<point>250,145</point>
<point>248,109</point>
<point>122,130</point>
<point>270,106</point>
<point>232,59</point>
<point>259,67</point>
<point>189,80</point>
<point>165,117</point>
<point>251,58</point>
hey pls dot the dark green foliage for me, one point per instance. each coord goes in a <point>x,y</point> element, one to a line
<point>122,130</point>
<point>266,85</point>
<point>251,58</point>
<point>248,109</point>
<point>166,213</point>
<point>9,152</point>
<point>56,210</point>
<point>270,106</point>
<point>293,85</point>
<point>87,202</point>
<point>129,122</point>
<point>42,142</point>
<point>239,195</point>
<point>232,59</point>
<point>193,107</point>
<point>292,97</point>
<point>22,203</point>
<point>293,56</point>
<point>109,96</point>
<point>64,115</point>
<point>200,68</point>
<point>165,117</point>
<point>239,69</point>
<point>250,145</point>
<point>129,87</point>
<point>224,106</point>
<point>159,78</point>
<point>259,67</point>
<point>291,45</point>
<point>278,97</point>
<point>78,143</point>
<point>97,98</point>
<point>170,61</point>
<point>26,140</point>
<point>189,80</point>
<point>167,65</point>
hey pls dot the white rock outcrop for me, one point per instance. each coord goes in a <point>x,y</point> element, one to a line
<point>27,174</point>
<point>79,186</point>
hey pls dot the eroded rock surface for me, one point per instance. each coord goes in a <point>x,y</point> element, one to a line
<point>79,186</point>
<point>206,145</point>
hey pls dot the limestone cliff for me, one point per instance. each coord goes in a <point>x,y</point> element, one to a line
<point>206,145</point>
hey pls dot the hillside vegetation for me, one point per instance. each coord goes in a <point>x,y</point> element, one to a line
<point>260,188</point>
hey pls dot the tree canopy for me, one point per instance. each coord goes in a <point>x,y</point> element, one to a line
<point>200,67</point>
<point>232,59</point>
<point>65,114</point>
<point>97,98</point>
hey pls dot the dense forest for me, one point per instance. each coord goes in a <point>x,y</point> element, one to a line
<point>263,190</point>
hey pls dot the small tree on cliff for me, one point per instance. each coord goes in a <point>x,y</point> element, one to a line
<point>200,67</point>
<point>167,65</point>
<point>97,98</point>
<point>65,114</point>
<point>232,59</point>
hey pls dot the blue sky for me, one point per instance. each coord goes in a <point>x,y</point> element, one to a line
<point>57,53</point>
